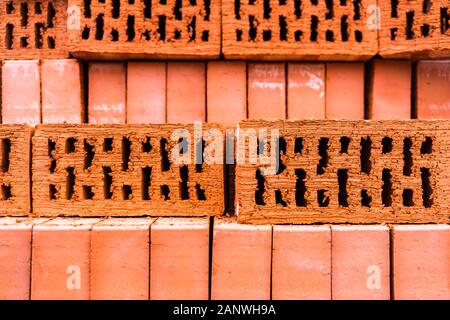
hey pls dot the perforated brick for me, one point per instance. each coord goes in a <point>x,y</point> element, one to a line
<point>33,29</point>
<point>347,172</point>
<point>125,29</point>
<point>15,170</point>
<point>123,170</point>
<point>286,29</point>
<point>414,28</point>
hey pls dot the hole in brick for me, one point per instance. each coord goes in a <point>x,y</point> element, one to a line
<point>24,14</point>
<point>88,154</point>
<point>407,157</point>
<point>314,2</point>
<point>9,36</point>
<point>115,10</point>
<point>85,33</point>
<point>70,182</point>
<point>408,198</point>
<point>177,34</point>
<point>184,190</point>
<point>6,152</point>
<point>126,152</point>
<point>329,36</point>
<point>108,144</point>
<point>24,42</point>
<point>386,188</point>
<point>205,35</point>
<point>300,188</point>
<point>409,25</point>
<point>130,28</point>
<point>342,182</point>
<point>165,163</point>
<point>177,9</point>
<point>70,145</point>
<point>386,145</point>
<point>192,29</point>
<point>207,7</point>
<point>394,8</point>
<point>281,151</point>
<point>283,29</point>
<point>107,183</point>
<point>237,9</point>
<point>366,199</point>
<point>51,42</point>
<point>38,8</point>
<point>51,13</point>
<point>148,9</point>
<point>267,35</point>
<point>162,27</point>
<point>345,143</point>
<point>282,2</point>
<point>87,8</point>
<point>114,35</point>
<point>343,2</point>
<point>260,189</point>
<point>52,192</point>
<point>323,153</point>
<point>261,147</point>
<point>445,20</point>
<point>322,198</point>
<point>357,9</point>
<point>200,193</point>
<point>99,24</point>
<point>279,198</point>
<point>366,150</point>
<point>193,2</point>
<point>147,145</point>
<point>87,193</point>
<point>252,31</point>
<point>394,33</point>
<point>9,8</point>
<point>163,1</point>
<point>238,35</point>
<point>127,192</point>
<point>298,35</point>
<point>6,192</point>
<point>267,9</point>
<point>314,26</point>
<point>427,146</point>
<point>329,14</point>
<point>199,155</point>
<point>427,191</point>
<point>51,145</point>
<point>344,29</point>
<point>298,145</point>
<point>425,30</point>
<point>358,36</point>
<point>146,182</point>
<point>183,145</point>
<point>165,192</point>
<point>426,5</point>
<point>146,35</point>
<point>38,29</point>
<point>131,1</point>
<point>298,9</point>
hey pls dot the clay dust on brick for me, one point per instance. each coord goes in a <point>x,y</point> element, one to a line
<point>346,172</point>
<point>140,29</point>
<point>33,29</point>
<point>125,170</point>
<point>310,29</point>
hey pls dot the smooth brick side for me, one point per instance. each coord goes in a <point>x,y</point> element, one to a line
<point>301,262</point>
<point>421,262</point>
<point>360,262</point>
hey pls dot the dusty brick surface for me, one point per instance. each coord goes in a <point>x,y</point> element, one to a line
<point>33,29</point>
<point>142,29</point>
<point>15,170</point>
<point>297,29</point>
<point>116,170</point>
<point>418,28</point>
<point>348,172</point>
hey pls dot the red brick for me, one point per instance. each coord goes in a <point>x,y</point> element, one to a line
<point>360,262</point>
<point>266,91</point>
<point>120,256</point>
<point>241,262</point>
<point>345,91</point>
<point>146,92</point>
<point>186,87</point>
<point>226,92</point>
<point>179,264</point>
<point>421,262</point>
<point>301,262</point>
<point>390,90</point>
<point>433,89</point>
<point>107,93</point>
<point>62,91</point>
<point>21,92</point>
<point>306,91</point>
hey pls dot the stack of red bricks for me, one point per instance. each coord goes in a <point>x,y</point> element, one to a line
<point>94,205</point>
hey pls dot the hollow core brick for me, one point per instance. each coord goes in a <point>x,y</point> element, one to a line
<point>179,264</point>
<point>390,90</point>
<point>266,91</point>
<point>62,91</point>
<point>241,262</point>
<point>301,263</point>
<point>360,262</point>
<point>107,93</point>
<point>306,91</point>
<point>226,92</point>
<point>146,92</point>
<point>186,87</point>
<point>21,92</point>
<point>60,259</point>
<point>345,91</point>
<point>421,262</point>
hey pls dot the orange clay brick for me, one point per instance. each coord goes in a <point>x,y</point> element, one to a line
<point>421,262</point>
<point>120,256</point>
<point>301,263</point>
<point>241,262</point>
<point>179,264</point>
<point>62,91</point>
<point>146,92</point>
<point>360,262</point>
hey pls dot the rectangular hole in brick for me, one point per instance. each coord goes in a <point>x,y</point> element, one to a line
<point>409,25</point>
<point>427,146</point>
<point>329,14</point>
<point>267,35</point>
<point>88,154</point>
<point>283,28</point>
<point>108,144</point>
<point>260,189</point>
<point>386,188</point>
<point>394,8</point>
<point>342,181</point>
<point>9,36</point>
<point>345,143</point>
<point>177,34</point>
<point>314,2</point>
<point>427,191</point>
<point>253,30</point>
<point>205,35</point>
<point>199,156</point>
<point>147,145</point>
<point>51,145</point>
<point>281,146</point>
<point>425,30</point>
<point>126,153</point>
<point>322,198</point>
<point>146,182</point>
<point>298,35</point>
<point>165,192</point>
<point>70,145</point>
<point>394,33</point>
<point>6,192</point>
<point>193,2</point>
<point>238,35</point>
<point>357,10</point>
<point>192,29</point>
<point>298,145</point>
<point>314,28</point>
<point>38,8</point>
<point>51,43</point>
<point>279,198</point>
<point>87,8</point>
<point>130,1</point>
<point>426,5</point>
<point>99,25</point>
<point>386,145</point>
<point>366,150</point>
<point>358,36</point>
<point>163,1</point>
<point>115,9</point>
<point>366,199</point>
<point>162,27</point>
<point>52,192</point>
<point>9,8</point>
<point>201,196</point>
<point>85,33</point>
<point>267,9</point>
<point>298,9</point>
<point>282,2</point>
<point>300,188</point>
<point>343,2</point>
<point>207,6</point>
<point>408,198</point>
<point>148,9</point>
<point>329,36</point>
<point>127,192</point>
<point>146,35</point>
<point>87,193</point>
<point>165,163</point>
<point>177,10</point>
<point>323,153</point>
<point>24,14</point>
<point>51,13</point>
<point>38,30</point>
<point>237,8</point>
<point>24,42</point>
<point>131,33</point>
<point>184,177</point>
<point>107,183</point>
<point>183,146</point>
<point>70,183</point>
<point>407,157</point>
<point>344,29</point>
<point>445,20</point>
<point>6,152</point>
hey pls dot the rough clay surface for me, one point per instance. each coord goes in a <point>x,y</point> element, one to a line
<point>310,30</point>
<point>349,172</point>
<point>121,170</point>
<point>157,29</point>
<point>33,29</point>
